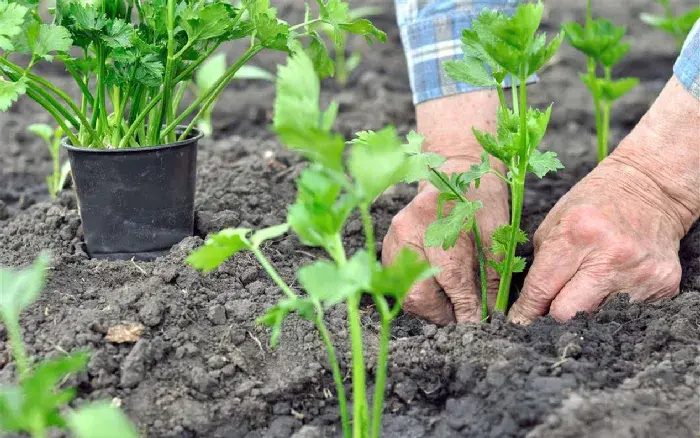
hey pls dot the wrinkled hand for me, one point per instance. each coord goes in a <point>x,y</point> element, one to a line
<point>453,295</point>
<point>619,229</point>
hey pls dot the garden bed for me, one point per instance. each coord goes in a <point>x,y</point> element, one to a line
<point>202,366</point>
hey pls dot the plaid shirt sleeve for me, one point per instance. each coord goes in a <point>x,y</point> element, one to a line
<point>687,67</point>
<point>431,31</point>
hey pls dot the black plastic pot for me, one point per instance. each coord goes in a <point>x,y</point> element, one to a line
<point>137,202</point>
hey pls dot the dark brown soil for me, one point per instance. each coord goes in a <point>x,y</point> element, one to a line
<point>204,368</point>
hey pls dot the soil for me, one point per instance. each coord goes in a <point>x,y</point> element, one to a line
<point>203,368</point>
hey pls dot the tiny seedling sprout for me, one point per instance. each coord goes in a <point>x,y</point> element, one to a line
<point>57,179</point>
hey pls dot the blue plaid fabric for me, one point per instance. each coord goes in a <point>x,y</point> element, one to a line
<point>431,31</point>
<point>687,67</point>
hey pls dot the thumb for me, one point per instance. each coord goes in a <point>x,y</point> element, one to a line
<point>555,264</point>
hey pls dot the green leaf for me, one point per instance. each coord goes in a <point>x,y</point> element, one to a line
<point>252,72</point>
<point>11,91</point>
<point>418,164</point>
<point>209,22</point>
<point>211,71</point>
<point>501,237</point>
<point>518,264</point>
<point>11,21</point>
<point>270,233</point>
<point>330,284</point>
<point>537,122</point>
<point>42,130</point>
<point>596,38</point>
<point>614,54</point>
<point>38,399</point>
<point>365,28</point>
<point>541,55</point>
<point>298,119</point>
<point>101,420</point>
<point>541,163</point>
<point>493,146</point>
<point>275,316</point>
<point>470,71</point>
<point>475,173</point>
<point>271,32</point>
<point>377,161</point>
<point>21,288</point>
<point>119,34</point>
<point>396,280</point>
<point>218,248</point>
<point>320,211</point>
<point>50,38</point>
<point>445,231</point>
<point>610,90</point>
<point>321,58</point>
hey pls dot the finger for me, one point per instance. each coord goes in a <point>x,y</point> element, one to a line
<point>583,293</point>
<point>458,280</point>
<point>427,300</point>
<point>554,266</point>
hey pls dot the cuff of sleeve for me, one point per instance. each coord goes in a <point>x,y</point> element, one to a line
<point>687,67</point>
<point>428,43</point>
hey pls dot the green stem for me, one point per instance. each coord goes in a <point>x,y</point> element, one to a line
<point>20,356</point>
<point>60,93</point>
<point>360,409</point>
<point>605,123</point>
<point>335,368</point>
<point>599,122</point>
<point>208,98</point>
<point>369,232</point>
<point>272,272</point>
<point>501,96</point>
<point>382,363</point>
<point>305,24</point>
<point>101,92</point>
<point>137,123</point>
<point>482,272</point>
<point>518,189</point>
<point>167,81</point>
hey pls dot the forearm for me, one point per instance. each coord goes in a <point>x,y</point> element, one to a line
<point>447,124</point>
<point>662,153</point>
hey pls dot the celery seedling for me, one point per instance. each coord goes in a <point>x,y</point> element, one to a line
<point>678,26</point>
<point>57,180</point>
<point>344,65</point>
<point>132,59</point>
<point>37,403</point>
<point>601,41</point>
<point>329,190</point>
<point>496,47</point>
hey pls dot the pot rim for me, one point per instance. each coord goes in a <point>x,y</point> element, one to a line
<point>195,136</point>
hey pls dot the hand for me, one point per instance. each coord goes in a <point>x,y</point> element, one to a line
<point>619,229</point>
<point>454,294</point>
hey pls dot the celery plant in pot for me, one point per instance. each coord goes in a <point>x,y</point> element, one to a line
<point>131,143</point>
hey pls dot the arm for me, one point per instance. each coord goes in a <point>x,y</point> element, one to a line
<point>619,229</point>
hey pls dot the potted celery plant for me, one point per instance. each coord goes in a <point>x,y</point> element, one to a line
<point>131,144</point>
